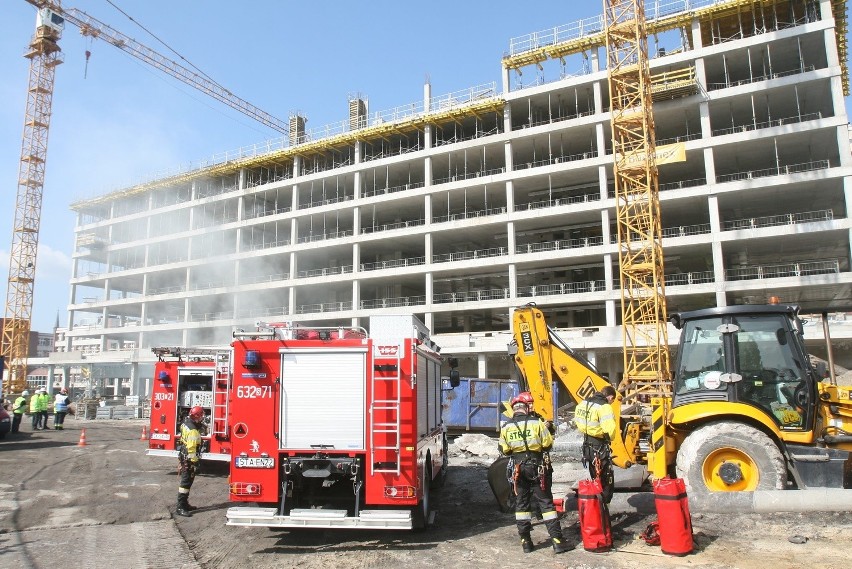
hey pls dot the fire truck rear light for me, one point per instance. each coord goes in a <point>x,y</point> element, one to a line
<point>402,492</point>
<point>245,489</point>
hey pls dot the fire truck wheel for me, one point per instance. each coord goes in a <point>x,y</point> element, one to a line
<point>420,513</point>
<point>727,456</point>
<point>441,479</point>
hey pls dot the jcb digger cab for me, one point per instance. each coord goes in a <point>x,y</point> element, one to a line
<point>753,355</point>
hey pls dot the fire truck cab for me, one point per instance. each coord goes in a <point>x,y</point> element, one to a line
<point>336,427</point>
<point>183,378</point>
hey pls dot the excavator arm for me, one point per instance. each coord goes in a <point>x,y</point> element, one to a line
<point>542,358</point>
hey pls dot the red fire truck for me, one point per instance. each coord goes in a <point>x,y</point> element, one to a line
<point>336,427</point>
<point>183,378</point>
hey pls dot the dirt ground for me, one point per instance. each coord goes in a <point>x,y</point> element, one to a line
<point>107,505</point>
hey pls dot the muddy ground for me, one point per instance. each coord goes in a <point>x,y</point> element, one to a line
<point>107,505</point>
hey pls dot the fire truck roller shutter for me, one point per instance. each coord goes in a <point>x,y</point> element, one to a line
<point>323,398</point>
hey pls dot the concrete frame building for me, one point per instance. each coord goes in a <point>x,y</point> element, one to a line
<point>459,207</point>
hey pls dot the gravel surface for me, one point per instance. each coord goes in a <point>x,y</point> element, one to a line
<point>107,505</point>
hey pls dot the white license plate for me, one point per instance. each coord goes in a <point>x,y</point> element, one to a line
<point>160,436</point>
<point>254,462</point>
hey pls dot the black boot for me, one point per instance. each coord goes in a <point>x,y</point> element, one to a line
<point>526,543</point>
<point>189,506</point>
<point>559,545</point>
<point>182,503</point>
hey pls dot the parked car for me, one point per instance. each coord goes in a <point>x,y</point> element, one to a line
<point>5,422</point>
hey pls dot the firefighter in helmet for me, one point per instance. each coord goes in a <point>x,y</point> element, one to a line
<point>189,456</point>
<point>526,439</point>
<point>594,418</point>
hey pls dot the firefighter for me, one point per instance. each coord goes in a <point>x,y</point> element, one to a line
<point>526,439</point>
<point>189,456</point>
<point>18,408</point>
<point>595,419</point>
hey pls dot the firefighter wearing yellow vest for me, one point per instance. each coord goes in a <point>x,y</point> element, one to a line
<point>526,439</point>
<point>18,409</point>
<point>189,456</point>
<point>595,419</point>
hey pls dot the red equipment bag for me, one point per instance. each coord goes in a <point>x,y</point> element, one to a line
<point>673,516</point>
<point>594,517</point>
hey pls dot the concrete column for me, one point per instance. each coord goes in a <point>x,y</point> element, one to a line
<point>695,28</point>
<point>591,355</point>
<point>611,318</point>
<point>427,209</point>
<point>709,165</point>
<point>504,76</point>
<point>482,365</point>
<point>50,379</point>
<point>513,278</point>
<point>716,245</point>
<point>594,56</point>
<point>291,300</point>
<point>597,92</point>
<point>704,121</point>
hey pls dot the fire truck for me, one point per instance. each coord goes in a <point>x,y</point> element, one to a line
<point>183,378</point>
<point>337,427</point>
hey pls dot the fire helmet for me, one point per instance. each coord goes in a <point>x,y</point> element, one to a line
<point>196,413</point>
<point>522,398</point>
<point>25,393</point>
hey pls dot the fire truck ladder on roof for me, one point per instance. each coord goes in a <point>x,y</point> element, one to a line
<point>386,431</point>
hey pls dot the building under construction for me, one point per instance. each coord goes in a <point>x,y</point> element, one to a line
<point>459,207</point>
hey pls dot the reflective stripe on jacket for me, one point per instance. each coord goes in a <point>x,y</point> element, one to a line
<point>190,438</point>
<point>595,418</point>
<point>525,432</point>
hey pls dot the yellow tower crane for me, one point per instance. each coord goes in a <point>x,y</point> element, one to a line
<point>637,210</point>
<point>45,55</point>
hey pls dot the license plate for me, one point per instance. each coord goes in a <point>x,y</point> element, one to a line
<point>254,462</point>
<point>160,436</point>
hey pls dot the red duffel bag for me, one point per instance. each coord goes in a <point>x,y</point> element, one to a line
<point>594,517</point>
<point>673,516</point>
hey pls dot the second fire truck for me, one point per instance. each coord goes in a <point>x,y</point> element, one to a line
<point>336,427</point>
<point>184,378</point>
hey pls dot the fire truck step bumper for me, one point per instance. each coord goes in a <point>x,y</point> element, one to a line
<point>161,452</point>
<point>268,517</point>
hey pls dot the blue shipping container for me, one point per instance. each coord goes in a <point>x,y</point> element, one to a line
<point>476,404</point>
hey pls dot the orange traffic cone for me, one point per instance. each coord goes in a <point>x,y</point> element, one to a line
<point>82,442</point>
<point>144,436</point>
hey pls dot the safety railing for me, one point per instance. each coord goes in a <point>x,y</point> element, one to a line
<point>576,287</point>
<point>393,263</point>
<point>777,220</point>
<point>469,214</point>
<point>469,255</point>
<point>794,269</point>
<point>774,171</point>
<point>560,244</point>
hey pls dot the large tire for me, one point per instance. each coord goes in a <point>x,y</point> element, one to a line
<point>730,457</point>
<point>441,478</point>
<point>420,512</point>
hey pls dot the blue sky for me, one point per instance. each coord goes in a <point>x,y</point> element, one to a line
<point>125,120</point>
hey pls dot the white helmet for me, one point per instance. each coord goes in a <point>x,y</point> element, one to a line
<point>25,393</point>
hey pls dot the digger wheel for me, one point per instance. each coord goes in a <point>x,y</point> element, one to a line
<point>730,457</point>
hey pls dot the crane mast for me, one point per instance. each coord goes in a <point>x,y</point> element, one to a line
<point>44,55</point>
<point>640,254</point>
